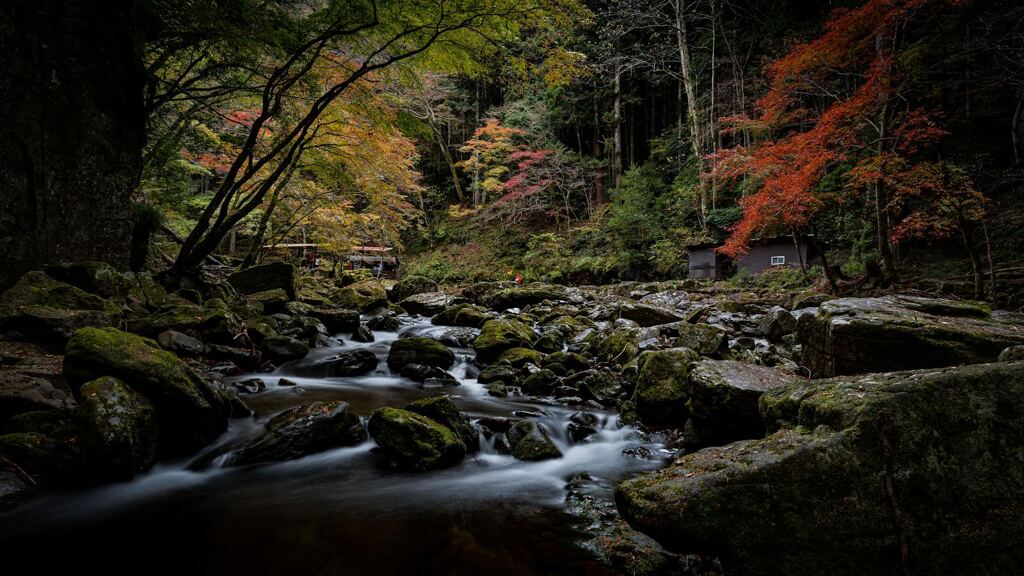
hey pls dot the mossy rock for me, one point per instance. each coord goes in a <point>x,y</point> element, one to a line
<point>817,495</point>
<point>496,336</point>
<point>520,357</point>
<point>22,392</point>
<point>499,373</point>
<point>266,277</point>
<point>705,339</point>
<point>50,462</point>
<point>281,349</point>
<point>336,320</point>
<point>442,410</point>
<point>662,388</point>
<point>524,296</point>
<point>302,431</point>
<point>426,303</point>
<point>467,315</point>
<point>571,360</point>
<point>272,300</point>
<point>410,286</point>
<point>618,346</point>
<point>540,383</point>
<point>207,323</point>
<point>49,311</point>
<point>530,442</point>
<point>419,351</point>
<point>119,429</point>
<point>413,441</point>
<point>97,278</point>
<point>191,412</point>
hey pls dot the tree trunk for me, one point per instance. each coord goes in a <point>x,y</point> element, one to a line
<point>617,149</point>
<point>73,128</point>
<point>692,105</point>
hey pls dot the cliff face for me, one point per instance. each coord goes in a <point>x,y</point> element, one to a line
<point>72,128</point>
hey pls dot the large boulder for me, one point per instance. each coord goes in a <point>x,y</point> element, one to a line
<point>191,411</point>
<point>617,346</point>
<point>777,323</point>
<point>49,461</point>
<point>705,339</point>
<point>352,363</point>
<point>21,392</point>
<point>336,320</point>
<point>301,431</point>
<point>859,335</point>
<point>662,388</point>
<point>524,296</point>
<point>442,410</point>
<point>496,336</point>
<point>468,315</point>
<point>410,286</point>
<point>877,474</point>
<point>281,349</point>
<point>207,323</point>
<point>266,277</point>
<point>419,351</point>
<point>643,314</point>
<point>530,442</point>
<point>425,303</point>
<point>119,433</point>
<point>724,396</point>
<point>414,441</point>
<point>365,295</point>
<point>49,311</point>
<point>97,278</point>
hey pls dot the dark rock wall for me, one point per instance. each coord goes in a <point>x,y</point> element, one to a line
<point>71,132</point>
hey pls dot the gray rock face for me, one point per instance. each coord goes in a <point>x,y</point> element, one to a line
<point>724,397</point>
<point>180,343</point>
<point>855,467</point>
<point>410,286</point>
<point>777,323</point>
<point>858,335</point>
<point>49,311</point>
<point>1012,354</point>
<point>662,389</point>
<point>643,314</point>
<point>302,431</point>
<point>336,320</point>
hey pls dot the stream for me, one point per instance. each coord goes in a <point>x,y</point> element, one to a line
<point>340,512</point>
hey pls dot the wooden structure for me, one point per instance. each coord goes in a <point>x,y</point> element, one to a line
<point>764,253</point>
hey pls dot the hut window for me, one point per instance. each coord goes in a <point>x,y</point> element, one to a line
<point>778,260</point>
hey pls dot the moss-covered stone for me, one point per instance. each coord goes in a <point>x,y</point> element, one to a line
<point>858,335</point>
<point>118,429</point>
<point>530,442</point>
<point>462,315</point>
<point>426,303</point>
<point>705,339</point>
<point>520,357</point>
<point>49,311</point>
<point>336,320</point>
<point>723,402</point>
<point>571,360</point>
<point>857,469</point>
<point>414,441</point>
<point>301,431</point>
<point>662,388</point>
<point>410,286</point>
<point>499,373</point>
<point>49,461</point>
<point>442,410</point>
<point>419,351</point>
<point>617,347</point>
<point>21,392</point>
<point>524,296</point>
<point>207,323</point>
<point>191,412</point>
<point>266,277</point>
<point>97,278</point>
<point>272,300</point>
<point>281,349</point>
<point>496,336</point>
<point>540,383</point>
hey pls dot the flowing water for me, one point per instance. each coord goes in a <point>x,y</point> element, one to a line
<point>338,512</point>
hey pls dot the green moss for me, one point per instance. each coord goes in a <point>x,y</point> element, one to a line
<point>419,351</point>
<point>662,389</point>
<point>119,429</point>
<point>519,357</point>
<point>496,336</point>
<point>414,441</point>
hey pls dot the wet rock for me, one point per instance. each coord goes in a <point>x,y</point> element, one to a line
<point>499,372</point>
<point>777,323</point>
<point>520,357</point>
<point>179,343</point>
<point>52,423</point>
<point>266,277</point>
<point>301,431</point>
<point>119,433</point>
<point>817,496</point>
<point>723,401</point>
<point>384,323</point>
<point>572,361</point>
<point>524,296</point>
<point>857,335</point>
<point>530,442</point>
<point>364,296</point>
<point>425,304</point>
<point>414,441</point>
<point>496,424</point>
<point>467,315</point>
<point>563,392</point>
<point>618,346</point>
<point>411,286</point>
<point>336,320</point>
<point>442,410</point>
<point>496,336</point>
<point>662,388</point>
<point>206,323</point>
<point>642,314</point>
<point>20,392</point>
<point>362,334</point>
<point>808,299</point>
<point>251,386</point>
<point>582,425</point>
<point>286,382</point>
<point>456,336</point>
<point>272,300</point>
<point>351,363</point>
<point>50,462</point>
<point>497,389</point>
<point>281,349</point>
<point>48,311</point>
<point>191,412</point>
<point>422,373</point>
<point>540,383</point>
<point>419,351</point>
<point>600,385</point>
<point>1012,354</point>
<point>97,278</point>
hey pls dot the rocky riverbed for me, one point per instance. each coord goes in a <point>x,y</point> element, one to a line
<point>749,433</point>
